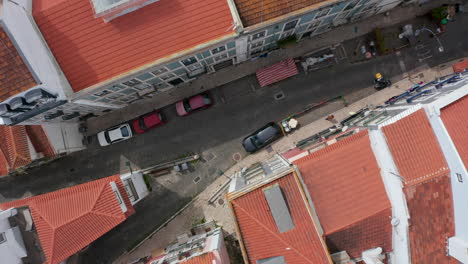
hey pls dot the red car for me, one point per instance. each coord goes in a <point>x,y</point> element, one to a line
<point>147,122</point>
<point>194,103</point>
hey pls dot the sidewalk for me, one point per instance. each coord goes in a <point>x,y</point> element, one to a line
<point>210,81</point>
<point>219,211</point>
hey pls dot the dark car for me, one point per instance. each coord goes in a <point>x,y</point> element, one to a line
<point>262,137</point>
<point>147,122</point>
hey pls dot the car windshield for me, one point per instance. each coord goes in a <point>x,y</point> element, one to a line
<point>141,122</point>
<point>106,136</point>
<point>187,106</point>
<point>124,131</point>
<point>256,142</point>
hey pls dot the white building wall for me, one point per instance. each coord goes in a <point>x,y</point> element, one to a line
<point>139,184</point>
<point>64,137</point>
<point>394,187</point>
<point>13,249</point>
<point>458,245</point>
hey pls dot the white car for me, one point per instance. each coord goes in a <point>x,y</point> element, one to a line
<point>113,135</point>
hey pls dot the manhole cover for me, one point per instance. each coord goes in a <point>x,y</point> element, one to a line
<point>279,96</point>
<point>197,179</point>
<point>237,157</point>
<point>221,201</point>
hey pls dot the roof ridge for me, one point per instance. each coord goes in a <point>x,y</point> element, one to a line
<point>271,232</point>
<point>332,147</point>
<point>98,196</point>
<point>428,177</point>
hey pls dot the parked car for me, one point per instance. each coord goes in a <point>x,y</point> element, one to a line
<point>194,103</point>
<point>114,135</point>
<point>147,122</point>
<point>262,137</point>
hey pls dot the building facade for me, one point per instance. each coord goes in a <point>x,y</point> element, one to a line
<point>88,62</point>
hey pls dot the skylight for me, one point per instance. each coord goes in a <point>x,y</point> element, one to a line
<point>110,9</point>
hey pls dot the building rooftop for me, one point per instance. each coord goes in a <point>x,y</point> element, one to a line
<point>15,76</point>
<point>452,115</point>
<point>70,219</point>
<point>430,206</point>
<point>415,148</point>
<point>254,12</point>
<point>91,51</point>
<point>290,234</point>
<point>15,150</point>
<point>344,182</point>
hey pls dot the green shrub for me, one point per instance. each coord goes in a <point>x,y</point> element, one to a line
<point>286,41</point>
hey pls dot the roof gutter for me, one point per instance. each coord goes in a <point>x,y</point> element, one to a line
<point>238,26</point>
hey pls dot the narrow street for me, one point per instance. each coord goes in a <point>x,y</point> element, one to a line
<point>215,132</point>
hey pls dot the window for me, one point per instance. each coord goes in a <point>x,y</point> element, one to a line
<point>290,25</point>
<point>116,87</point>
<point>142,86</point>
<point>132,82</point>
<point>221,57</point>
<point>102,93</point>
<point>159,71</point>
<point>118,197</point>
<point>189,61</point>
<point>2,238</point>
<point>258,35</point>
<point>218,50</point>
<point>194,67</point>
<point>256,44</point>
<point>176,81</point>
<point>315,24</point>
<point>115,96</point>
<point>351,5</point>
<point>256,52</point>
<point>322,13</point>
<point>167,76</point>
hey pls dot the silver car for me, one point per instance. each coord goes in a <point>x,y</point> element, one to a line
<point>114,135</point>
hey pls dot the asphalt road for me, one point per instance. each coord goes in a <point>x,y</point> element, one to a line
<point>216,133</point>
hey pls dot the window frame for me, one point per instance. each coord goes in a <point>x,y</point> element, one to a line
<point>253,38</point>
<point>219,51</point>
<point>293,28</point>
<point>320,13</point>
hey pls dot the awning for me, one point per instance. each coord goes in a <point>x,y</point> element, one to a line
<point>277,72</point>
<point>460,66</point>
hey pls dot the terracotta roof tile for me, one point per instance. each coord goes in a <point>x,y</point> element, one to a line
<point>70,219</point>
<point>207,258</point>
<point>430,208</point>
<point>14,146</point>
<point>415,148</point>
<point>253,12</point>
<point>344,182</point>
<point>455,118</point>
<point>374,231</point>
<point>260,236</point>
<point>15,76</point>
<point>90,51</point>
<point>40,141</point>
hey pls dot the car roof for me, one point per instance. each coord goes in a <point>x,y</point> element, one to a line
<point>267,133</point>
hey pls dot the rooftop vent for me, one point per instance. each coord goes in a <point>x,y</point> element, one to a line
<point>110,9</point>
<point>278,208</point>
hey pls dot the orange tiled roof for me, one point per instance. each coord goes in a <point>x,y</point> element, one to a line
<point>455,118</point>
<point>253,12</point>
<point>430,206</point>
<point>260,236</point>
<point>90,51</point>
<point>207,258</point>
<point>15,76</point>
<point>344,182</point>
<point>14,147</point>
<point>415,148</point>
<point>40,141</point>
<point>374,231</point>
<point>70,219</point>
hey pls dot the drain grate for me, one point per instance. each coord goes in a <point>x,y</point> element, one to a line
<point>197,179</point>
<point>279,96</point>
